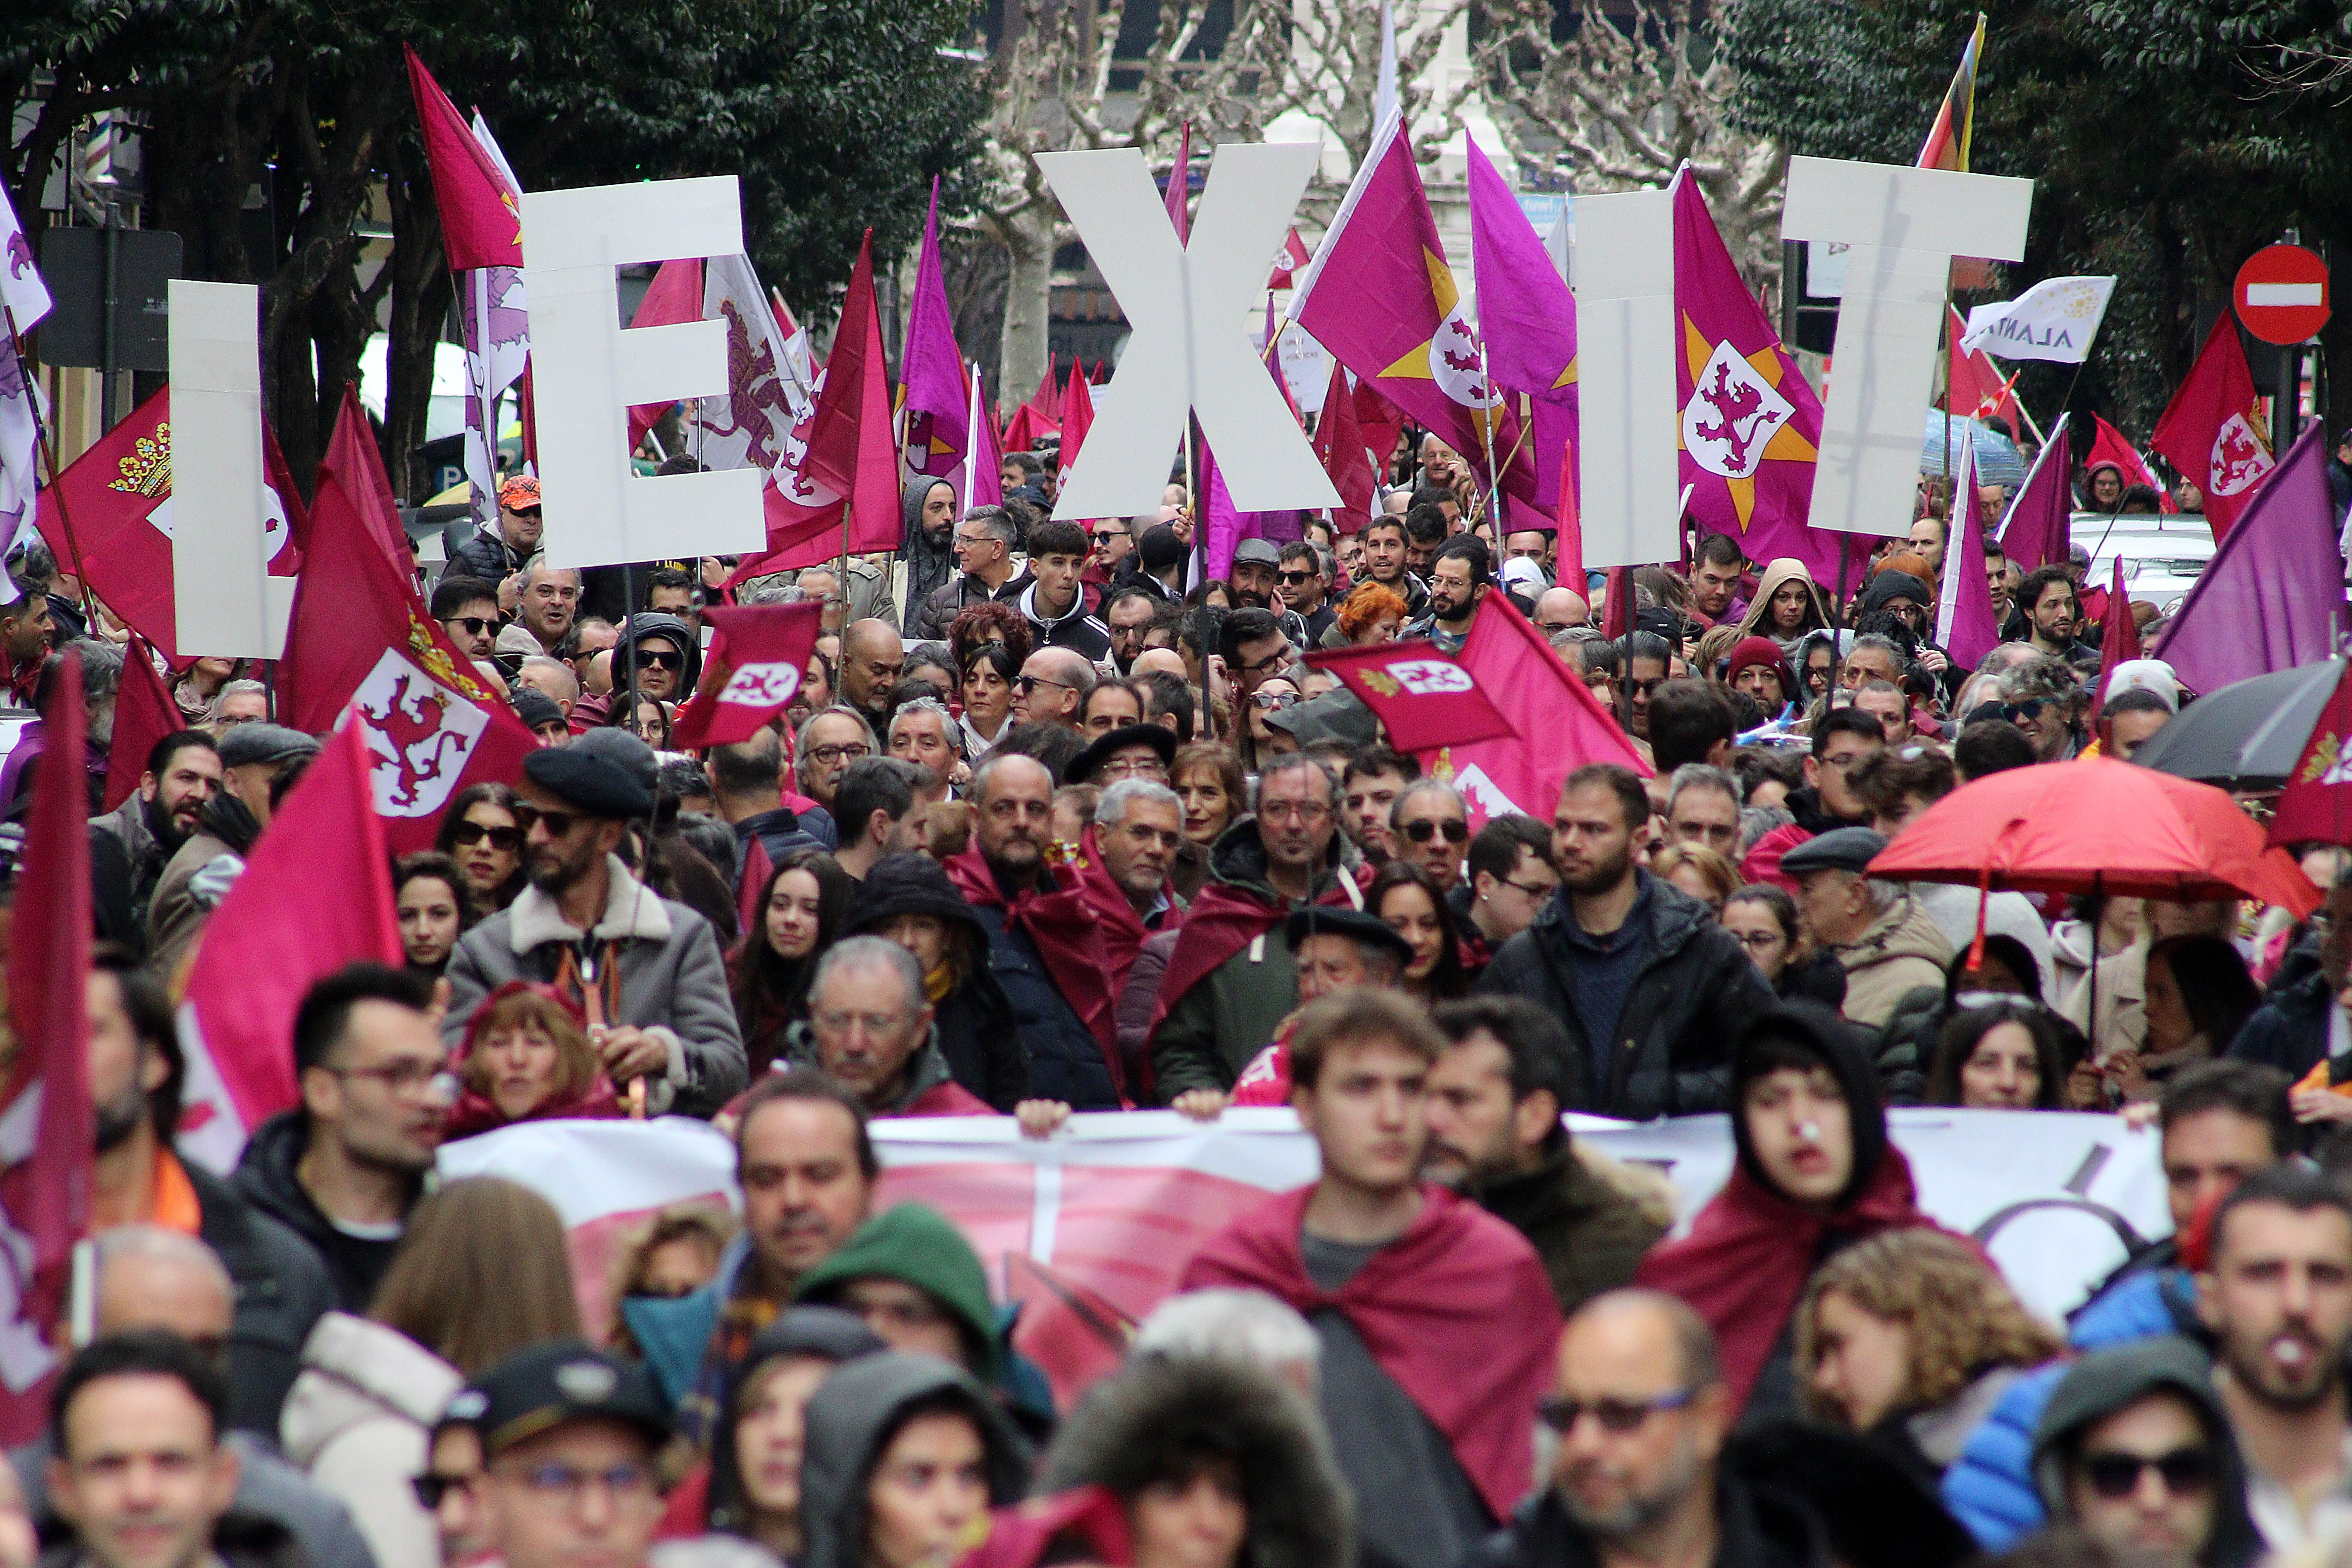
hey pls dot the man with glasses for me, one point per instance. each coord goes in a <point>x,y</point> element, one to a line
<point>1459,576</point>
<point>468,609</point>
<point>1641,1413</point>
<point>645,970</point>
<point>1114,541</point>
<point>1127,617</point>
<point>869,1030</point>
<point>1255,649</point>
<point>1511,877</point>
<point>569,1437</point>
<point>1053,688</point>
<point>1304,585</point>
<point>2041,698</point>
<point>343,1168</point>
<point>1433,1317</point>
<point>1134,751</point>
<point>982,547</point>
<point>828,741</point>
<point>495,557</point>
<point>1139,828</point>
<point>1561,609</point>
<point>1429,825</point>
<point>2134,1451</point>
<point>668,658</point>
<point>276,1289</point>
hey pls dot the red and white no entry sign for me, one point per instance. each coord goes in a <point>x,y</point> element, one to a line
<point>2282,294</point>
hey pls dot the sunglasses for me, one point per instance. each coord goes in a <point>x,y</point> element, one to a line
<point>431,1488</point>
<point>1293,579</point>
<point>654,658</point>
<point>1025,684</point>
<point>2013,711</point>
<point>1618,1416</point>
<point>1421,830</point>
<point>472,833</point>
<point>1108,534</point>
<point>2116,1475</point>
<point>557,823</point>
<point>475,625</point>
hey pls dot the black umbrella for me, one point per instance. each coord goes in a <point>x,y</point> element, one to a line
<point>2246,736</point>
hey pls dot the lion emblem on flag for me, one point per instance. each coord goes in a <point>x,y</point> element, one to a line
<point>1732,415</point>
<point>2239,458</point>
<point>420,736</point>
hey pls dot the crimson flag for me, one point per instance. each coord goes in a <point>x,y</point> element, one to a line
<point>2118,637</point>
<point>1021,435</point>
<point>2038,528</point>
<point>1423,697</point>
<point>2316,808</point>
<point>1569,572</point>
<point>118,493</point>
<point>673,298</point>
<point>360,634</point>
<point>1339,444</point>
<point>758,655</point>
<point>1077,416</point>
<point>144,714</point>
<point>2212,432</point>
<point>1976,389</point>
<point>315,895</point>
<point>1617,607</point>
<point>45,1127</point>
<point>482,213</point>
<point>1288,261</point>
<point>2108,445</point>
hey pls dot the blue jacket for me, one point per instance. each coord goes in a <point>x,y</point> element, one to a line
<point>1065,1061</point>
<point>1990,1487</point>
<point>2289,1031</point>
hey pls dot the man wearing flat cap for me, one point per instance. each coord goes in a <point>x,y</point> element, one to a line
<point>255,758</point>
<point>1335,947</point>
<point>1888,943</point>
<point>569,1435</point>
<point>644,970</point>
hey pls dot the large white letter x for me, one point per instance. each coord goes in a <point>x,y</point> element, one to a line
<point>1188,308</point>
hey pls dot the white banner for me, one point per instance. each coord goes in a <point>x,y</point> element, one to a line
<point>2054,319</point>
<point>1092,1227</point>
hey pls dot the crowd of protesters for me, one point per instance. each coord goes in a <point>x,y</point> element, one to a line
<point>1074,832</point>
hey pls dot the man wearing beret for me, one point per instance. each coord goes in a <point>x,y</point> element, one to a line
<point>645,971</point>
<point>568,1438</point>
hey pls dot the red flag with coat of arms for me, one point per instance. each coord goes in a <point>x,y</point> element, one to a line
<point>360,634</point>
<point>2316,808</point>
<point>2212,429</point>
<point>1423,698</point>
<point>758,653</point>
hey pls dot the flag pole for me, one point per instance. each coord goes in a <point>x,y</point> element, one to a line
<point>49,448</point>
<point>1487,439</point>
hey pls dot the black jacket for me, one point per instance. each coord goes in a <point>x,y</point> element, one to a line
<point>1753,1530</point>
<point>265,1178</point>
<point>2289,1031</point>
<point>781,831</point>
<point>240,1539</point>
<point>486,556</point>
<point>1693,990</point>
<point>281,1290</point>
<point>977,1033</point>
<point>1065,1061</point>
<point>951,598</point>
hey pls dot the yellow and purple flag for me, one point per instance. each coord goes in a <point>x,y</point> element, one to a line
<point>1526,315</point>
<point>931,383</point>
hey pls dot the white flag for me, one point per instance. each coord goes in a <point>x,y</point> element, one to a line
<point>2054,319</point>
<point>21,289</point>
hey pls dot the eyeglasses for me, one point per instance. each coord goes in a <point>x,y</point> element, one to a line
<point>1618,1416</point>
<point>557,823</point>
<point>1759,941</point>
<point>838,1020</point>
<point>430,1488</point>
<point>406,1078</point>
<point>1270,663</point>
<point>568,1483</point>
<point>826,756</point>
<point>2116,1474</point>
<point>1538,891</point>
<point>1146,766</point>
<point>974,540</point>
<point>1293,579</point>
<point>1421,829</point>
<point>1294,810</point>
<point>1025,684</point>
<point>655,658</point>
<point>475,625</point>
<point>469,834</point>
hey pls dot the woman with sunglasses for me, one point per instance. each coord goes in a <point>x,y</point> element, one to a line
<point>1911,1337</point>
<point>1407,901</point>
<point>480,832</point>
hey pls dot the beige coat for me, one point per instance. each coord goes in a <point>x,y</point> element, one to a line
<point>1901,951</point>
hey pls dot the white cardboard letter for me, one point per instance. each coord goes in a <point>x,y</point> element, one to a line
<point>1905,225</point>
<point>223,600</point>
<point>1627,456</point>
<point>1189,350</point>
<point>587,370</point>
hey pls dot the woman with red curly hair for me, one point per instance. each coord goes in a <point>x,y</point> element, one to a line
<point>1371,613</point>
<point>996,623</point>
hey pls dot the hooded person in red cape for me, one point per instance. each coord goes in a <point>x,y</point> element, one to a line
<point>1436,1321</point>
<point>1815,1174</point>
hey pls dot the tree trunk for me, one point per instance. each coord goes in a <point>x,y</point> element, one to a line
<point>420,307</point>
<point>1029,240</point>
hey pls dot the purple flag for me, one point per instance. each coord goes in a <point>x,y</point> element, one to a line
<point>931,370</point>
<point>1227,527</point>
<point>1527,318</point>
<point>2273,596</point>
<point>2041,521</point>
<point>1964,628</point>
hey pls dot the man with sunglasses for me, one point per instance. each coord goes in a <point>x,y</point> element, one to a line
<point>1053,688</point>
<point>644,970</point>
<point>468,609</point>
<point>1430,825</point>
<point>1114,540</point>
<point>1305,587</point>
<point>667,655</point>
<point>496,556</point>
<point>2134,1450</point>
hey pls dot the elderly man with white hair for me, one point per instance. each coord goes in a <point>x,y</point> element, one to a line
<point>1885,939</point>
<point>922,732</point>
<point>1139,828</point>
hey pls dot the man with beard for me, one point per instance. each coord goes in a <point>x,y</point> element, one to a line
<point>668,658</point>
<point>1642,1414</point>
<point>344,1169</point>
<point>1650,987</point>
<point>1255,561</point>
<point>135,1075</point>
<point>928,515</point>
<point>1386,548</point>
<point>2277,1296</point>
<point>643,970</point>
<point>130,845</point>
<point>1495,1136</point>
<point>1458,580</point>
<point>2052,609</point>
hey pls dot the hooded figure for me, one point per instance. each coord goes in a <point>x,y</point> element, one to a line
<point>973,1019</point>
<point>817,1333</point>
<point>915,1245</point>
<point>653,625</point>
<point>1744,1262</point>
<point>850,1423</point>
<point>1159,1418</point>
<point>1758,621</point>
<point>2104,1382</point>
<point>930,562</point>
<point>1891,585</point>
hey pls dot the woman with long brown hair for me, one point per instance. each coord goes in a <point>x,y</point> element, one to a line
<point>800,914</point>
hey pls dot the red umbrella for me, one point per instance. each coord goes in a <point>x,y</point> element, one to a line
<point>2097,826</point>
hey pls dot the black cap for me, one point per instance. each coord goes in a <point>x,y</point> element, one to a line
<point>1159,737</point>
<point>1359,926</point>
<point>249,743</point>
<point>1839,849</point>
<point>591,785</point>
<point>535,709</point>
<point>539,1389</point>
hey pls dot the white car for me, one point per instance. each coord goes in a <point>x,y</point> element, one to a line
<point>2163,555</point>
